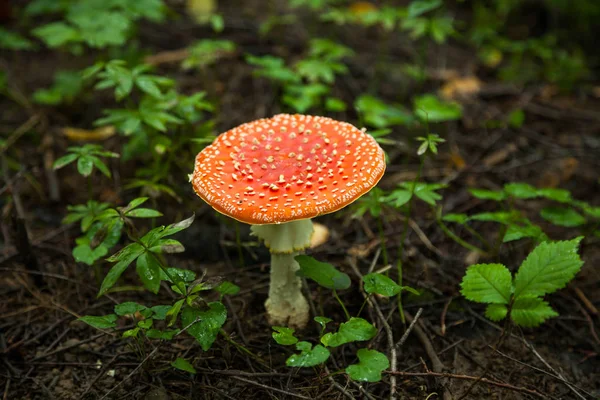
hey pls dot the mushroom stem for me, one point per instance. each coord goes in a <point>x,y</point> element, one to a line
<point>286,304</point>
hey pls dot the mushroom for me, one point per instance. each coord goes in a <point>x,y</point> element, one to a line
<point>278,173</point>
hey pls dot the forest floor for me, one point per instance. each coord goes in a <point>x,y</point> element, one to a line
<point>46,353</point>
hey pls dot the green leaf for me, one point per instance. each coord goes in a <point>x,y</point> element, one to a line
<point>85,164</point>
<point>563,216</point>
<point>160,312</point>
<point>549,267</point>
<point>516,232</point>
<point>458,218</point>
<point>284,336</point>
<point>560,195</point>
<point>64,160</point>
<point>531,312</point>
<point>56,34</point>
<point>85,254</point>
<point>144,213</point>
<point>484,194</point>
<point>227,288</point>
<point>210,322</point>
<point>131,333</point>
<point>323,273</point>
<point>487,283</point>
<point>148,269</point>
<point>173,312</point>
<point>516,118</point>
<point>430,108</point>
<point>356,329</point>
<point>521,190</point>
<point>168,246</point>
<point>424,191</point>
<point>134,204</point>
<point>323,321</point>
<point>309,356</point>
<point>100,322</point>
<point>183,365</point>
<point>417,8</point>
<point>148,85</point>
<point>13,41</point>
<point>124,258</point>
<point>371,364</point>
<point>496,312</point>
<point>380,284</point>
<point>128,308</point>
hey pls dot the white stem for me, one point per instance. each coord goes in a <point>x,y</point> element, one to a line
<point>286,304</point>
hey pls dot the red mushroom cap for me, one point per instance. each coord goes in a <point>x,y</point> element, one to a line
<point>286,168</point>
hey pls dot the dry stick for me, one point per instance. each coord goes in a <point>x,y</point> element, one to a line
<point>410,328</point>
<point>337,385</point>
<point>269,388</point>
<point>474,378</point>
<point>61,349</point>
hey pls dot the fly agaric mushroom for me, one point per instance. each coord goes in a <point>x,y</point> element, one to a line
<point>276,174</point>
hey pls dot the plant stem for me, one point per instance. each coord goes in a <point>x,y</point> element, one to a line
<point>454,237</point>
<point>403,238</point>
<point>238,242</point>
<point>341,304</point>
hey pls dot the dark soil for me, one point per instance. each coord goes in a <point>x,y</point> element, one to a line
<point>45,353</point>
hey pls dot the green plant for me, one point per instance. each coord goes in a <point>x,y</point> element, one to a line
<point>207,52</point>
<point>94,23</point>
<point>549,267</point>
<point>66,87</point>
<point>87,157</point>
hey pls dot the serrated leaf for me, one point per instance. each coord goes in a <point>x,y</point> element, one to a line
<point>100,322</point>
<point>531,312</point>
<point>548,268</point>
<point>284,336</point>
<point>380,284</point>
<point>487,283</point>
<point>563,216</point>
<point>128,307</point>
<point>324,274</point>
<point>210,322</point>
<point>496,312</point>
<point>183,365</point>
<point>371,364</point>
<point>355,330</point>
<point>309,356</point>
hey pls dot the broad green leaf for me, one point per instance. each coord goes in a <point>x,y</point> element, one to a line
<point>398,197</point>
<point>183,365</point>
<point>531,312</point>
<point>496,312</point>
<point>521,190</point>
<point>228,288</point>
<point>284,336</point>
<point>183,275</point>
<point>85,165</point>
<point>323,273</point>
<point>430,108</point>
<point>128,307</point>
<point>355,330</point>
<point>516,232</point>
<point>487,283</point>
<point>380,284</point>
<point>560,195</point>
<point>484,194</point>
<point>148,269</point>
<point>145,323</point>
<point>209,323</point>
<point>100,322</point>
<point>548,268</point>
<point>563,216</point>
<point>85,254</point>
<point>160,312</point>
<point>131,333</point>
<point>371,364</point>
<point>309,356</point>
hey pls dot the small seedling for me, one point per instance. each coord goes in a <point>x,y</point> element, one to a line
<point>549,267</point>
